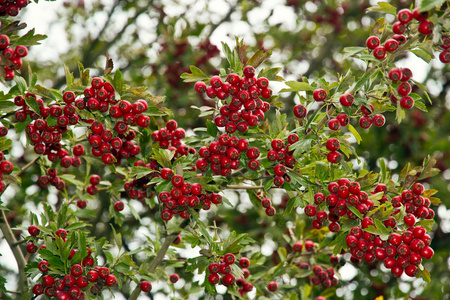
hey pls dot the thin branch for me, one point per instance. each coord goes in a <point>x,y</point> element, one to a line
<point>159,257</point>
<point>245,187</point>
<point>28,165</point>
<point>20,259</point>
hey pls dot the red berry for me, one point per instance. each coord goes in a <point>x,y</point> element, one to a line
<point>378,120</point>
<point>334,124</point>
<point>146,286</point>
<point>420,16</point>
<point>407,102</point>
<point>372,42</point>
<point>119,206</point>
<point>405,16</point>
<point>346,100</point>
<point>213,278</point>
<point>272,286</point>
<point>333,144</point>
<point>391,45</point>
<point>111,280</point>
<point>174,278</point>
<point>426,27</point>
<point>379,52</point>
<point>300,111</point>
<point>200,87</point>
<point>319,95</point>
<point>398,27</point>
<point>334,157</point>
<point>244,262</point>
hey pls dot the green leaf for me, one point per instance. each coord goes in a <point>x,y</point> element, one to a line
<point>140,172</point>
<point>292,203</point>
<point>7,107</point>
<point>351,51</point>
<point>383,7</point>
<point>422,54</point>
<point>428,224</point>
<point>428,170</point>
<point>71,179</point>
<point>211,128</point>
<point>362,81</point>
<point>259,57</point>
<point>400,115</point>
<point>32,103</point>
<point>430,4</point>
<point>118,82</point>
<point>201,226</point>
<point>30,39</point>
<point>233,57</point>
<point>268,184</point>
<point>355,133</point>
<point>271,74</point>
<point>195,75</point>
<point>355,211</point>
<point>425,275</point>
<point>295,86</point>
<point>380,226</point>
<point>5,144</point>
<point>21,84</point>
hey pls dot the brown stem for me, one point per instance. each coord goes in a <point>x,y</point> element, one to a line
<point>28,165</point>
<point>17,252</point>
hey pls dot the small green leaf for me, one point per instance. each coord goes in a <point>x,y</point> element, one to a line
<point>295,86</point>
<point>422,54</point>
<point>195,75</point>
<point>21,84</point>
<point>32,103</point>
<point>268,184</point>
<point>380,226</point>
<point>355,211</point>
<point>140,172</point>
<point>118,82</point>
<point>383,7</point>
<point>211,128</point>
<point>5,143</point>
<point>355,133</point>
<point>425,275</point>
<point>430,4</point>
<point>259,57</point>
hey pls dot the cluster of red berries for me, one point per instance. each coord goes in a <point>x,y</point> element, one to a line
<point>183,195</point>
<point>245,108</point>
<point>414,202</point>
<point>112,146</point>
<point>45,137</point>
<point>280,152</point>
<point>13,56</point>
<point>444,56</point>
<point>53,179</point>
<point>267,204</point>
<point>222,156</point>
<point>82,276</point>
<point>137,189</point>
<point>333,145</point>
<point>170,137</point>
<point>12,7</point>
<point>323,276</point>
<point>6,167</point>
<point>404,16</point>
<point>366,120</point>
<point>221,272</point>
<point>401,76</point>
<point>244,287</point>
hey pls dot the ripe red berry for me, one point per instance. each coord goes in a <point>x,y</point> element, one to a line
<point>398,27</point>
<point>407,102</point>
<point>174,278</point>
<point>213,278</point>
<point>334,157</point>
<point>146,286</point>
<point>119,206</point>
<point>244,262</point>
<point>372,42</point>
<point>379,52</point>
<point>309,245</point>
<point>391,45</point>
<point>33,230</point>
<point>444,56</point>
<point>334,124</point>
<point>365,122</point>
<point>300,111</point>
<point>333,144</point>
<point>319,95</point>
<point>405,16</point>
<point>378,120</point>
<point>426,27</point>
<point>279,170</point>
<point>200,87</point>
<point>404,89</point>
<point>346,100</point>
<point>272,286</point>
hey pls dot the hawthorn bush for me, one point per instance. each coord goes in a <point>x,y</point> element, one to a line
<point>107,191</point>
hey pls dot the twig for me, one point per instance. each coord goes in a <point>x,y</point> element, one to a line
<point>28,165</point>
<point>159,257</point>
<point>244,187</point>
<point>17,252</point>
